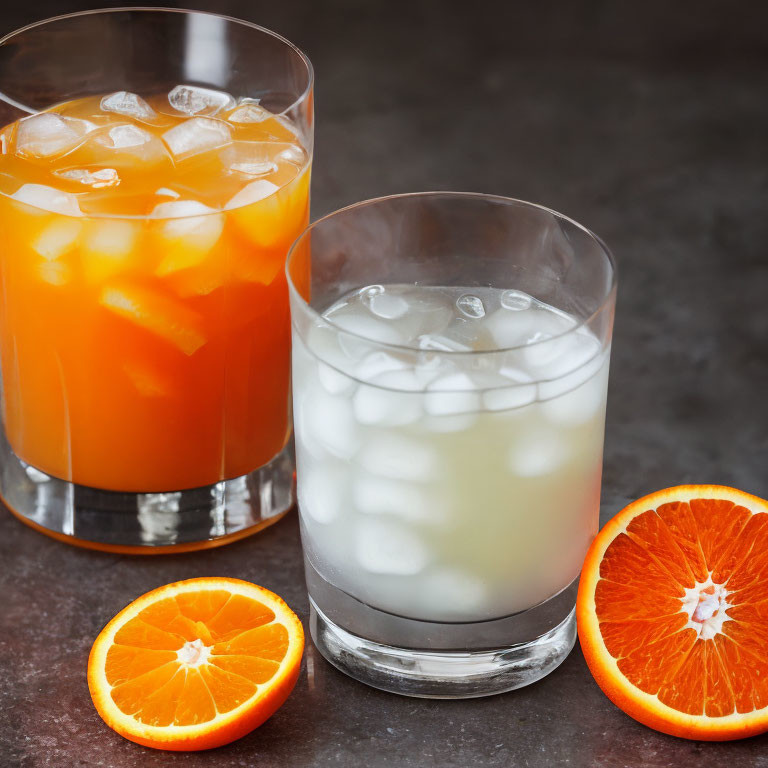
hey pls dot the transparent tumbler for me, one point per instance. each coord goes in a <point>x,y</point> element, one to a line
<point>450,370</point>
<point>146,353</point>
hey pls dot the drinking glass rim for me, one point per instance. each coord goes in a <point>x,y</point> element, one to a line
<point>189,11</point>
<point>147,217</point>
<point>606,299</point>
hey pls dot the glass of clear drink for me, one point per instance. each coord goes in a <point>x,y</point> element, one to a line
<point>154,170</point>
<point>450,368</point>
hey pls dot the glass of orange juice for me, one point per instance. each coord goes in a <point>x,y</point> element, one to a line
<point>154,169</point>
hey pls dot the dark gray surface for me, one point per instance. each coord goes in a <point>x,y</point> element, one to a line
<point>646,121</point>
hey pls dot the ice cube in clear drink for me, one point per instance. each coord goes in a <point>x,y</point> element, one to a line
<point>389,547</point>
<point>326,424</point>
<point>412,502</point>
<point>392,399</point>
<point>399,457</point>
<point>321,491</point>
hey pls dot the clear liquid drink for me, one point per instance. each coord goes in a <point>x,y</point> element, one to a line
<point>445,488</point>
<point>450,368</point>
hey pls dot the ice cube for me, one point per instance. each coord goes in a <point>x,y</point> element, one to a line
<point>195,136</point>
<point>54,272</point>
<point>429,311</point>
<point>375,364</point>
<point>321,491</point>
<point>293,154</point>
<point>387,305</point>
<point>48,199</point>
<point>461,335</point>
<point>449,594</point>
<point>148,382</point>
<point>537,453</point>
<point>429,366</point>
<point>334,382</point>
<point>516,300</point>
<point>325,423</point>
<point>574,353</point>
<point>373,495</point>
<point>452,394</point>
<point>49,134</point>
<point>189,230</point>
<point>166,192</point>
<point>384,546</point>
<point>194,100</point>
<point>364,330</point>
<point>249,112</point>
<point>472,333</point>
<point>128,104</point>
<point>57,239</point>
<point>510,328</point>
<point>549,339</point>
<point>577,398</point>
<point>471,306</point>
<point>249,158</point>
<point>133,142</point>
<point>103,177</point>
<point>252,193</point>
<point>399,457</point>
<point>165,318</point>
<point>395,402</point>
<point>125,136</point>
<point>437,342</point>
<point>369,328</point>
<point>321,343</point>
<point>108,248</point>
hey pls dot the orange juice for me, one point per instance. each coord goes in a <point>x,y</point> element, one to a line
<point>144,324</point>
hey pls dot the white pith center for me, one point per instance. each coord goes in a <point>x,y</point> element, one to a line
<point>194,653</point>
<point>706,604</point>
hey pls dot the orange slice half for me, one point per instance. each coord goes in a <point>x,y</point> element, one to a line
<point>673,612</point>
<point>195,664</point>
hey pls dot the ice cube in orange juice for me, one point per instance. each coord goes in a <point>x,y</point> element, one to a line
<point>144,327</point>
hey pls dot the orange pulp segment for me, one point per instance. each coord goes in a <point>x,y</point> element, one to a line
<point>673,612</point>
<point>195,664</point>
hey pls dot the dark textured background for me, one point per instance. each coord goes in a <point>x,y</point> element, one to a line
<point>648,122</point>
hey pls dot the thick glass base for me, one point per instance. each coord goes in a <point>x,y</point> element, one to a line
<point>440,661</point>
<point>147,523</point>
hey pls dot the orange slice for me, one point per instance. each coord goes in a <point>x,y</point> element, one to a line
<point>195,664</point>
<point>673,612</point>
